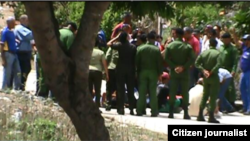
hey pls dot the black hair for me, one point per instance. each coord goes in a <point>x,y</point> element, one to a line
<point>179,32</point>
<point>213,32</point>
<point>73,25</point>
<point>219,27</point>
<point>213,42</point>
<point>188,29</point>
<point>151,35</point>
<point>143,37</point>
<point>226,35</point>
<point>174,28</point>
<point>153,32</point>
<point>123,37</point>
<point>134,34</point>
<point>159,36</point>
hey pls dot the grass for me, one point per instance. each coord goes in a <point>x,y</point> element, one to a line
<point>41,119</point>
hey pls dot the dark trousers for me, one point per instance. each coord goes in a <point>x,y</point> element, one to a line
<point>95,81</point>
<point>111,85</point>
<point>125,78</point>
<point>25,65</point>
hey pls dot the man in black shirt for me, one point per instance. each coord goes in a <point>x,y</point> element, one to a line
<point>125,71</point>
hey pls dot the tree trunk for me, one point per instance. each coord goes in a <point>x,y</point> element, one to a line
<point>67,74</point>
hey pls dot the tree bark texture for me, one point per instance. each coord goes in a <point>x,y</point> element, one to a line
<point>67,73</point>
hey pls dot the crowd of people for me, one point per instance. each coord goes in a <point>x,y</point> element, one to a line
<point>141,71</point>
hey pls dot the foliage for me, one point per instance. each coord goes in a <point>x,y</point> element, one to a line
<point>19,10</point>
<point>140,9</point>
<point>242,17</point>
<point>68,11</point>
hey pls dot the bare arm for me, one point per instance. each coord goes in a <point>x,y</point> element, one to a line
<point>105,66</point>
<point>237,42</point>
<point>113,40</point>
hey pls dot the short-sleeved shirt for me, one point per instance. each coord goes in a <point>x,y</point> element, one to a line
<point>224,74</point>
<point>8,37</point>
<point>195,44</point>
<point>245,59</point>
<point>96,60</point>
<point>67,38</point>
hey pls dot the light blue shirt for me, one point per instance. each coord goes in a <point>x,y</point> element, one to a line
<point>24,35</point>
<point>224,74</point>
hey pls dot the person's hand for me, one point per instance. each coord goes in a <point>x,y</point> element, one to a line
<point>17,41</point>
<point>206,73</point>
<point>179,69</point>
<point>4,63</point>
<point>233,74</point>
<point>107,77</point>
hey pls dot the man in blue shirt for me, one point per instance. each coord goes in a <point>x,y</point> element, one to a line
<point>24,48</point>
<point>9,57</point>
<point>245,77</point>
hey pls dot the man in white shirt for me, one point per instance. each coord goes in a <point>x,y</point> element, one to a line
<point>225,80</point>
<point>211,33</point>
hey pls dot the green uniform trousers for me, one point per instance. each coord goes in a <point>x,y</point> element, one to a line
<point>175,83</point>
<point>211,90</point>
<point>43,88</point>
<point>147,83</point>
<point>231,93</point>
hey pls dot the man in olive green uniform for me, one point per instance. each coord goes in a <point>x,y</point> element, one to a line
<point>229,54</point>
<point>67,35</point>
<point>209,62</point>
<point>179,56</point>
<point>112,58</point>
<point>149,69</point>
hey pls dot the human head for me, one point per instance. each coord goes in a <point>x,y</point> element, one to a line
<point>141,39</point>
<point>173,32</point>
<point>159,38</point>
<point>151,37</point>
<point>24,20</point>
<point>246,40</point>
<point>187,32</point>
<point>72,26</point>
<point>208,28</point>
<point>134,34</point>
<point>196,33</point>
<point>226,38</point>
<point>217,28</point>
<point>127,18</point>
<point>123,38</point>
<point>10,22</point>
<point>179,33</point>
<point>200,81</point>
<point>211,33</point>
<point>165,78</point>
<point>213,42</point>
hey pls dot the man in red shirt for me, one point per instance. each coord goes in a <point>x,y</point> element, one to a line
<point>190,38</point>
<point>126,20</point>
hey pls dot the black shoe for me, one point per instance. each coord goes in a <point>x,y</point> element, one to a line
<point>242,111</point>
<point>154,115</point>
<point>108,108</point>
<point>186,115</point>
<point>201,116</point>
<point>139,115</point>
<point>246,113</point>
<point>132,112</point>
<point>171,112</point>
<point>144,112</point>
<point>121,112</point>
<point>211,118</point>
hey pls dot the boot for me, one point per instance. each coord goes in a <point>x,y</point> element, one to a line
<point>132,112</point>
<point>186,115</point>
<point>108,108</point>
<point>201,116</point>
<point>171,112</point>
<point>211,118</point>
